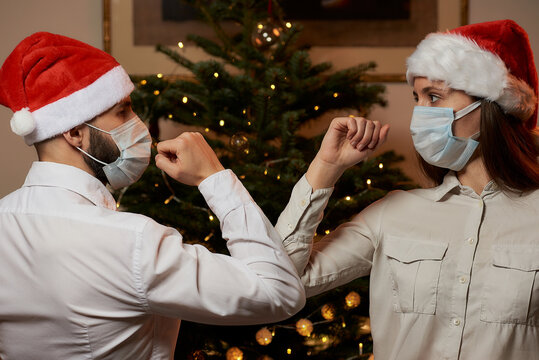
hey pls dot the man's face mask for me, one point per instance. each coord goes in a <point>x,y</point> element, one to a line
<point>134,142</point>
<point>434,140</point>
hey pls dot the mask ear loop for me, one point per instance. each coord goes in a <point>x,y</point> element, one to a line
<point>90,156</point>
<point>93,158</point>
<point>94,127</point>
<point>468,109</point>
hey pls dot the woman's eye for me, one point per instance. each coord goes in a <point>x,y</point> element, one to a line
<point>433,98</point>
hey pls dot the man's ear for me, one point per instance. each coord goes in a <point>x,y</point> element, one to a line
<point>74,136</point>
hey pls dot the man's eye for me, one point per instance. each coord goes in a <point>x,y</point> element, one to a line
<point>433,98</point>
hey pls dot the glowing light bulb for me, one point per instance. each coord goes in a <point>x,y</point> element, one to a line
<point>211,217</point>
<point>207,129</point>
<point>221,123</point>
<point>170,116</point>
<point>288,25</point>
<point>272,86</point>
<point>156,92</point>
<point>185,99</point>
<point>327,232</point>
<point>143,82</point>
<point>335,95</point>
<point>369,181</point>
<point>216,75</point>
<point>168,199</point>
<point>381,166</point>
<point>159,76</point>
<point>180,45</point>
<point>348,198</point>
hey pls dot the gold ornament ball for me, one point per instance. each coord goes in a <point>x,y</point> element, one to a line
<point>352,300</point>
<point>328,311</point>
<point>304,327</point>
<point>264,336</point>
<point>239,142</point>
<point>234,353</point>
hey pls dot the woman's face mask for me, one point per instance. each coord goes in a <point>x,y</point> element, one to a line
<point>433,138</point>
<point>134,142</point>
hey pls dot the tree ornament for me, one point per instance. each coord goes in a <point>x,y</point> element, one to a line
<point>266,34</point>
<point>234,353</point>
<point>304,327</point>
<point>239,142</point>
<point>264,336</point>
<point>352,300</point>
<point>328,311</point>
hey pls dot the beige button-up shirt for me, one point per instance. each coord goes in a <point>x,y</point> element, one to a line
<point>80,280</point>
<point>454,275</point>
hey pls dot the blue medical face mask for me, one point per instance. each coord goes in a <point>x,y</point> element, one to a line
<point>434,140</point>
<point>134,142</point>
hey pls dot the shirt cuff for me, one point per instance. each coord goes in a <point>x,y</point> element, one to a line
<point>303,199</point>
<point>224,192</point>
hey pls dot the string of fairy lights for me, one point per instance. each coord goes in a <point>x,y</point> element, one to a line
<point>306,328</point>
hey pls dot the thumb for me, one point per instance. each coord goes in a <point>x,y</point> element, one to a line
<point>383,133</point>
<point>166,164</point>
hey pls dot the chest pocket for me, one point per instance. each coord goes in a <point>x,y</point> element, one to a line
<point>415,271</point>
<point>511,290</point>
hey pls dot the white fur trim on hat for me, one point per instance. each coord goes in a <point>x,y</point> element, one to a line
<point>22,123</point>
<point>464,65</point>
<point>80,106</point>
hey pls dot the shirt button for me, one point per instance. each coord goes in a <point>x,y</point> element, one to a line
<point>456,322</point>
<point>290,227</point>
<point>463,279</point>
<point>470,240</point>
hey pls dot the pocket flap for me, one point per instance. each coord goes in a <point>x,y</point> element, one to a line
<point>520,257</point>
<point>409,250</point>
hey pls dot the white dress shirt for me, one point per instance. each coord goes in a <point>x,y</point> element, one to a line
<point>79,280</point>
<point>453,274</point>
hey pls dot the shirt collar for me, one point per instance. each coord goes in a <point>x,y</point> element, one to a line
<point>452,183</point>
<point>43,173</point>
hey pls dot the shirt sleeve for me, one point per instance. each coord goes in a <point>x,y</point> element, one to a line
<point>337,258</point>
<point>256,284</point>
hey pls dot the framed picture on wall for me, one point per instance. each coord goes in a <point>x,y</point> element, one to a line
<point>343,32</point>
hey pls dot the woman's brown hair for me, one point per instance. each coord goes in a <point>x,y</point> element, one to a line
<point>508,148</point>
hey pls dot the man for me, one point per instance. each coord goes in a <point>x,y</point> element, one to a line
<point>81,280</point>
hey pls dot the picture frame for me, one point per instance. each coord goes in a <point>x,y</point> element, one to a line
<point>118,40</point>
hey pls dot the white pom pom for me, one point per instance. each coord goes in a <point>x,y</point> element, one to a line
<point>22,122</point>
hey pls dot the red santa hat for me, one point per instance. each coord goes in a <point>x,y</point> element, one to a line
<point>491,60</point>
<point>53,83</point>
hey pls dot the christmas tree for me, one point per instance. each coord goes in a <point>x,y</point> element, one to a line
<point>250,101</point>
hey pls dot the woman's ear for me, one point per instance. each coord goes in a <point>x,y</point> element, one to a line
<point>75,136</point>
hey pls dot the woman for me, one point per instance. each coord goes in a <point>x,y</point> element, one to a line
<point>454,268</point>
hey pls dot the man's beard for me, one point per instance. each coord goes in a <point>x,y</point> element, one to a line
<point>103,149</point>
